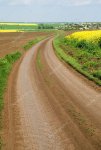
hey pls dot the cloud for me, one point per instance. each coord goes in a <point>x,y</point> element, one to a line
<point>50,2</point>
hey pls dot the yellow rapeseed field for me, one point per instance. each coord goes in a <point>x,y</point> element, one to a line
<point>20,24</point>
<point>83,51</point>
<point>10,31</point>
<point>92,36</point>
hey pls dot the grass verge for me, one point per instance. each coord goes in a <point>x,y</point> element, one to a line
<point>32,42</point>
<point>71,60</point>
<point>6,64</point>
<point>38,61</point>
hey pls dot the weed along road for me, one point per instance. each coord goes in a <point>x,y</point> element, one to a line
<point>50,106</point>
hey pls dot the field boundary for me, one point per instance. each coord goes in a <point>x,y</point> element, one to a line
<point>6,65</point>
<point>71,61</point>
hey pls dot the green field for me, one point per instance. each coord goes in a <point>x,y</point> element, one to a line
<point>18,26</point>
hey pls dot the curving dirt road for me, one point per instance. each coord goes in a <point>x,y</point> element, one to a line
<point>49,106</point>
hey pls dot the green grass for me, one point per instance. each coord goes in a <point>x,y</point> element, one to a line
<point>32,42</point>
<point>83,44</point>
<point>6,64</point>
<point>39,64</point>
<point>20,26</point>
<point>5,68</point>
<point>85,62</point>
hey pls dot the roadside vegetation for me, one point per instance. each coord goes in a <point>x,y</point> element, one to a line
<point>32,42</point>
<point>5,68</point>
<point>82,50</point>
<point>6,64</point>
<point>38,61</point>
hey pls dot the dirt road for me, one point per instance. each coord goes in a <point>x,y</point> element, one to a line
<point>49,106</point>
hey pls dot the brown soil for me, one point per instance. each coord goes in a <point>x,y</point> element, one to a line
<point>10,42</point>
<point>49,106</point>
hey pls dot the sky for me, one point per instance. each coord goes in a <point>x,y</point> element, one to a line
<point>50,10</point>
